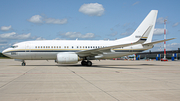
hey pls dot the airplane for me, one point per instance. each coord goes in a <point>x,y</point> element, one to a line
<point>73,51</point>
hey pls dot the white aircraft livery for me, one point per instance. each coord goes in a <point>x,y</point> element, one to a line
<point>72,51</point>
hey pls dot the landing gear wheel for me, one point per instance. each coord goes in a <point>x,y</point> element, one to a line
<point>83,63</point>
<point>89,63</point>
<point>23,64</point>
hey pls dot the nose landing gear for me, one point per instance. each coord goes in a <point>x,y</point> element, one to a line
<point>23,63</point>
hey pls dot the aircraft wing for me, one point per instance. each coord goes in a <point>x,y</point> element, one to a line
<point>94,52</point>
<point>151,43</point>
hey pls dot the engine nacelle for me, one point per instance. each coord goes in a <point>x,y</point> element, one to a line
<point>67,58</point>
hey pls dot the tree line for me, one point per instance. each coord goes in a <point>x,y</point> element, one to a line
<point>1,55</point>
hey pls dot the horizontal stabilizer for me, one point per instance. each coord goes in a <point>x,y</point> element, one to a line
<point>151,43</point>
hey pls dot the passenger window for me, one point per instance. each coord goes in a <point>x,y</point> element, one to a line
<point>59,46</point>
<point>64,46</point>
<point>77,46</point>
<point>67,46</point>
<point>36,47</point>
<point>80,46</point>
<point>41,46</point>
<point>51,46</point>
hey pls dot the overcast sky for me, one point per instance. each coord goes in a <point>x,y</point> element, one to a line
<point>23,20</point>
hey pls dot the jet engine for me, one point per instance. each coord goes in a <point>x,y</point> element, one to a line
<point>67,58</point>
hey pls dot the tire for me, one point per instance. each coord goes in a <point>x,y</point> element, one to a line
<point>83,63</point>
<point>23,64</point>
<point>89,63</point>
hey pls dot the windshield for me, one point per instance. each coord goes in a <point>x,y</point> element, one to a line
<point>14,46</point>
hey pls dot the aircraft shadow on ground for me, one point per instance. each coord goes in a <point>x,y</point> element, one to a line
<point>134,66</point>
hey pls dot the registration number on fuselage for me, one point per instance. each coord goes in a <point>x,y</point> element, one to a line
<point>13,53</point>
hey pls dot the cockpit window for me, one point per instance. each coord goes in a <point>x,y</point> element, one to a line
<point>14,46</point>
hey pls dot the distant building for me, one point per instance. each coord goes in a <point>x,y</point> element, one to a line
<point>153,55</point>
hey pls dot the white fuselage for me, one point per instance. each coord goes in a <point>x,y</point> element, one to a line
<point>48,49</point>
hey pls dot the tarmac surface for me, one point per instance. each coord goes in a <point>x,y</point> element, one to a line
<point>106,80</point>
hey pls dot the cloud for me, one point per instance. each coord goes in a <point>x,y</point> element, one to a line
<point>126,33</point>
<point>176,24</point>
<point>5,28</point>
<point>77,35</point>
<point>158,31</point>
<point>40,38</point>
<point>59,39</point>
<point>3,42</point>
<point>172,46</point>
<point>92,9</point>
<point>6,38</point>
<point>113,34</point>
<point>36,19</point>
<point>136,3</point>
<point>129,31</point>
<point>126,25</point>
<point>15,36</point>
<point>55,21</point>
<point>160,20</point>
<point>40,19</point>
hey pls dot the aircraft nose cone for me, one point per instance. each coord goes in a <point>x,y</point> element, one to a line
<point>5,52</point>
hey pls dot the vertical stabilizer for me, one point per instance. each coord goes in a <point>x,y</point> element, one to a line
<point>145,29</point>
<point>149,39</point>
<point>148,22</point>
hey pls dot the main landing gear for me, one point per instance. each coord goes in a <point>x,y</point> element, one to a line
<point>86,63</point>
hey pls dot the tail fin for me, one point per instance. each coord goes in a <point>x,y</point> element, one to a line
<point>145,29</point>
